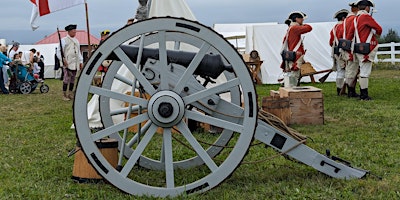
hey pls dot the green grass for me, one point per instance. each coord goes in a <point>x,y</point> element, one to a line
<point>36,138</point>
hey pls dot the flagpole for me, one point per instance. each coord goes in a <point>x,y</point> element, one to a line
<point>88,30</point>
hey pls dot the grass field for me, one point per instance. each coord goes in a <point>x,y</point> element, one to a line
<point>36,138</point>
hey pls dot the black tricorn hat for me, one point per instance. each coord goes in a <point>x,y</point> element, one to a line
<point>340,14</point>
<point>365,3</point>
<point>297,14</point>
<point>70,27</point>
<point>353,4</point>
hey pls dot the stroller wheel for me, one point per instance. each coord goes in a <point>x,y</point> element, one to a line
<point>25,88</point>
<point>13,88</point>
<point>44,88</point>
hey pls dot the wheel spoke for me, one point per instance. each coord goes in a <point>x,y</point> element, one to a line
<point>118,96</point>
<point>168,158</point>
<point>211,91</point>
<point>214,121</point>
<point>163,59</point>
<point>197,147</point>
<point>191,68</point>
<point>118,127</point>
<point>124,79</point>
<point>123,110</point>
<point>138,75</point>
<point>139,150</point>
<point>135,138</point>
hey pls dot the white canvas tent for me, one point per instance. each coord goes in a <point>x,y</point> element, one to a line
<point>237,34</point>
<point>173,8</point>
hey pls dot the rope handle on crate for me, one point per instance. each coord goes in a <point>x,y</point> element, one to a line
<point>308,103</point>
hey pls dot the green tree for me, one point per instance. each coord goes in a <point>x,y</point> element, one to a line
<point>391,36</point>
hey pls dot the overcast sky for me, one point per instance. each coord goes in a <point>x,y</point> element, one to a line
<point>107,14</point>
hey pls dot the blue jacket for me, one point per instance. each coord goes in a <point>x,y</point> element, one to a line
<point>3,59</point>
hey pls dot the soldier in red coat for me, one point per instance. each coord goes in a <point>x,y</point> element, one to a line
<point>293,42</point>
<point>352,65</point>
<point>366,31</point>
<point>338,63</point>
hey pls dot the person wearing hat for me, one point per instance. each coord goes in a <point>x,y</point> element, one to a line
<point>293,42</point>
<point>13,50</point>
<point>104,66</point>
<point>104,35</point>
<point>72,60</point>
<point>338,63</point>
<point>288,22</point>
<point>352,65</point>
<point>366,31</point>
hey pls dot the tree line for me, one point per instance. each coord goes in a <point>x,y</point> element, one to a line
<point>391,36</point>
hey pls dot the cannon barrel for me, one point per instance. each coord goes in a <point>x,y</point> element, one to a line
<point>211,65</point>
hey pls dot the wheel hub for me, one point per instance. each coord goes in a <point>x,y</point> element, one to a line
<point>166,109</point>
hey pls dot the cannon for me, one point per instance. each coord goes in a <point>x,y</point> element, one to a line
<point>177,72</point>
<point>211,65</point>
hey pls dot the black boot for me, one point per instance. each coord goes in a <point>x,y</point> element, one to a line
<point>351,92</point>
<point>339,91</point>
<point>364,95</point>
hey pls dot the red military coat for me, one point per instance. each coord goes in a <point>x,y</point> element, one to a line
<point>348,31</point>
<point>293,38</point>
<point>365,23</point>
<point>349,26</point>
<point>338,30</point>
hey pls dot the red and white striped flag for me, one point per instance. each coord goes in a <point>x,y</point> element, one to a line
<point>44,7</point>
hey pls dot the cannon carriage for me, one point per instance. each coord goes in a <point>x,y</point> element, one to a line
<point>177,72</point>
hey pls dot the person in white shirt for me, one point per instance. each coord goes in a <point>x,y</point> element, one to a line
<point>72,60</point>
<point>13,50</point>
<point>27,57</point>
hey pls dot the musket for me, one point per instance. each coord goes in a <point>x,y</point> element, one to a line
<point>61,48</point>
<point>323,79</point>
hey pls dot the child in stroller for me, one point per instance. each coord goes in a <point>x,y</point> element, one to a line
<point>23,80</point>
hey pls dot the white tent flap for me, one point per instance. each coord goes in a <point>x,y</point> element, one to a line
<point>173,8</point>
<point>267,40</point>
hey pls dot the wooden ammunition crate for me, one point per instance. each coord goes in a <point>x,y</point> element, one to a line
<point>277,106</point>
<point>306,104</point>
<point>297,105</point>
<point>83,170</point>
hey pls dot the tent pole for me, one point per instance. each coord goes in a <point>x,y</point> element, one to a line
<point>88,30</point>
<point>237,45</point>
<point>148,7</point>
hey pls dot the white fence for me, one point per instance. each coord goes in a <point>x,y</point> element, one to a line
<point>392,52</point>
